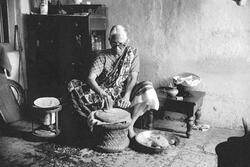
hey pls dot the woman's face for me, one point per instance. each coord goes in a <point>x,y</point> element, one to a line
<point>118,44</point>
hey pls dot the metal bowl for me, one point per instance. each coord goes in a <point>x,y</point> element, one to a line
<point>47,102</point>
<point>143,140</point>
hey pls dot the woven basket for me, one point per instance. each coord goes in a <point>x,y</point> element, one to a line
<point>111,137</point>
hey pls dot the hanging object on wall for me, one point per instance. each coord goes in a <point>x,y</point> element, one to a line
<point>241,2</point>
<point>44,7</point>
<point>19,47</point>
<point>17,39</point>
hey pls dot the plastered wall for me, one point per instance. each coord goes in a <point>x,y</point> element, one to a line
<point>210,38</point>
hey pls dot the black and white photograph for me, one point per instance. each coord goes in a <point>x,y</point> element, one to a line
<point>124,83</point>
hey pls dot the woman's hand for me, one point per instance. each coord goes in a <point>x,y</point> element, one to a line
<point>103,94</point>
<point>108,102</point>
<point>123,102</point>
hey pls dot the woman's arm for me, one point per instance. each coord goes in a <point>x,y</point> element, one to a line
<point>94,85</point>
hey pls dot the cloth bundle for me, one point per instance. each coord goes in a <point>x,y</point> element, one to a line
<point>187,79</point>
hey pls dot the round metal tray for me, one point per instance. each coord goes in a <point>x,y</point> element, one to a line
<point>172,139</point>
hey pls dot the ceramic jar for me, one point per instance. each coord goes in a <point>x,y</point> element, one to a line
<point>172,91</point>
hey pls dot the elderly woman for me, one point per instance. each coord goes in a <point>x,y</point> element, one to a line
<point>113,78</point>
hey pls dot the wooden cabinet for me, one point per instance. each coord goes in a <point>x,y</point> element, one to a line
<point>59,49</point>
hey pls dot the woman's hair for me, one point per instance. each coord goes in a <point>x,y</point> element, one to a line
<point>118,30</point>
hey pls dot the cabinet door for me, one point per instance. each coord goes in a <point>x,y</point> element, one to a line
<point>42,63</point>
<point>73,47</point>
<point>59,49</point>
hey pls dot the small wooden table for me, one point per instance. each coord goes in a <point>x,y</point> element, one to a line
<point>190,105</point>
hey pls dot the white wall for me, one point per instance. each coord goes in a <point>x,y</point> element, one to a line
<point>210,38</point>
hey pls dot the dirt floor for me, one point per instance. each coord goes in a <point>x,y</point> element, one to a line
<point>204,149</point>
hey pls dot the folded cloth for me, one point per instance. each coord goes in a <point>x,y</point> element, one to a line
<point>149,96</point>
<point>187,79</point>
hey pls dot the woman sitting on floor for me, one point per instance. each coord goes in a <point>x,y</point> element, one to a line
<point>113,77</point>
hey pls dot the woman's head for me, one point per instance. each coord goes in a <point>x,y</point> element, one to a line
<point>118,39</point>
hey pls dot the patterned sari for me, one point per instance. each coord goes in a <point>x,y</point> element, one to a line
<point>85,100</point>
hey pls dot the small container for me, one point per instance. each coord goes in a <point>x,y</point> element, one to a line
<point>88,3</point>
<point>44,7</point>
<point>172,91</point>
<point>77,2</point>
<point>96,42</point>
